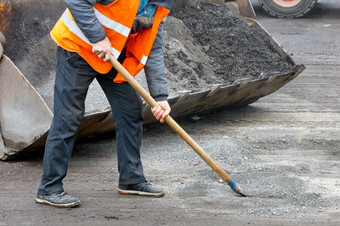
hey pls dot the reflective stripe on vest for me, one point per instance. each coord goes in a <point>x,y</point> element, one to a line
<point>73,27</point>
<point>143,60</point>
<point>113,25</point>
<point>117,19</point>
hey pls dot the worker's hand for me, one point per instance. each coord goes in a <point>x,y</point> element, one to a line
<point>102,49</point>
<point>161,112</point>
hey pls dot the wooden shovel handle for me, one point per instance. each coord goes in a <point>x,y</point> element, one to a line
<point>172,123</point>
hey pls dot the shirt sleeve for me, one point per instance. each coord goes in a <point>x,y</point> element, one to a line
<point>155,69</point>
<point>83,13</point>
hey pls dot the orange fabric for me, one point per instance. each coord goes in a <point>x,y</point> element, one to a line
<point>121,11</point>
<point>140,44</point>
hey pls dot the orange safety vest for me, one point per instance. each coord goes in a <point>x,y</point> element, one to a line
<point>117,19</point>
<point>139,46</point>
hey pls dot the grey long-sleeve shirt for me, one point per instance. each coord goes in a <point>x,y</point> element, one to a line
<point>83,13</point>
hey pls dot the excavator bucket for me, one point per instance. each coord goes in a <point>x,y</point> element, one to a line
<point>24,116</point>
<point>246,9</point>
<point>241,7</point>
<point>27,70</point>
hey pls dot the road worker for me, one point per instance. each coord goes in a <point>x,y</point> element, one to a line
<point>88,33</point>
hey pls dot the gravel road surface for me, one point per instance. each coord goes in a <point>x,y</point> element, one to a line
<point>283,150</point>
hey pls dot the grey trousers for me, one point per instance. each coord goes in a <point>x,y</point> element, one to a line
<point>73,78</point>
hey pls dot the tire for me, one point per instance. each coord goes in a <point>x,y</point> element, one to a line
<point>287,8</point>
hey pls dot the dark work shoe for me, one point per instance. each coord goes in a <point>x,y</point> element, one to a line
<point>62,200</point>
<point>144,189</point>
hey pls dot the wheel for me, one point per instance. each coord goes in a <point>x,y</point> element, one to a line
<point>287,8</point>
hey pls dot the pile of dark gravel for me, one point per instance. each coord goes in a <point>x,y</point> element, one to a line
<point>207,44</point>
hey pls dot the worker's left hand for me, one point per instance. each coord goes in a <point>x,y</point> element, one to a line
<point>162,111</point>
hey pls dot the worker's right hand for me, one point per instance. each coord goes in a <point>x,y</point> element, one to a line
<point>102,49</point>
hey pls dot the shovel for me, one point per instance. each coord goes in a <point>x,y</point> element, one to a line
<point>172,123</point>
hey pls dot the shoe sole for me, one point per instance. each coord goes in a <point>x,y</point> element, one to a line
<point>142,193</point>
<point>45,202</point>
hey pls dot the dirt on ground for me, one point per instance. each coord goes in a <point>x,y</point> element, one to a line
<point>283,150</point>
